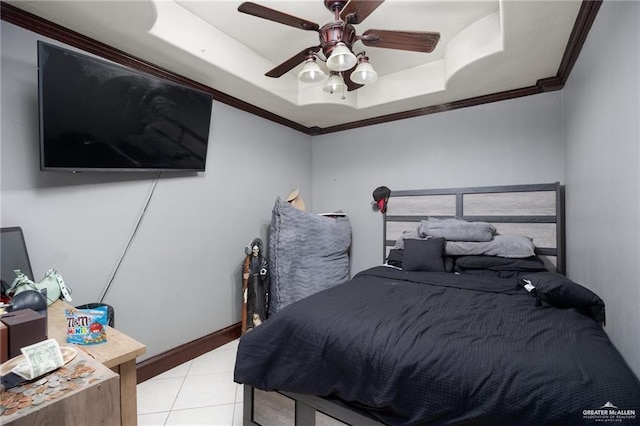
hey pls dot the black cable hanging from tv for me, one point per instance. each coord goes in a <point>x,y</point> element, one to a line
<point>133,234</point>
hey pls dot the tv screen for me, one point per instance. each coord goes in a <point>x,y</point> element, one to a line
<point>99,116</point>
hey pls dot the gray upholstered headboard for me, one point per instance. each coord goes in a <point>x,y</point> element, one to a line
<point>535,210</point>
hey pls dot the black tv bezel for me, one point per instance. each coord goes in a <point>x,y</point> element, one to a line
<point>106,62</point>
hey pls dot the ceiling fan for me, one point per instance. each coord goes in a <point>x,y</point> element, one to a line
<point>337,39</point>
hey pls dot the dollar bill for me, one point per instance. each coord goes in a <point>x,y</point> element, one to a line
<point>40,358</point>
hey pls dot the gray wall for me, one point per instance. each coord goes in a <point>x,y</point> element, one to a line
<point>602,149</point>
<point>513,142</point>
<point>180,278</point>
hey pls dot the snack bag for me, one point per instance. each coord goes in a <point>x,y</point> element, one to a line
<point>87,326</point>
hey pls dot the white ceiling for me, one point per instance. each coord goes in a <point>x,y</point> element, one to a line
<point>485,47</point>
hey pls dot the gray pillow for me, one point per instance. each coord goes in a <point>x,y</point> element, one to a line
<point>501,245</point>
<point>454,229</point>
<point>307,253</point>
<point>406,235</point>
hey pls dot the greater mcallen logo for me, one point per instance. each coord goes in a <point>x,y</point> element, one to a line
<point>609,413</point>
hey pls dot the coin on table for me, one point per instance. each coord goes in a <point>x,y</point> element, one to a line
<point>37,400</point>
<point>10,411</point>
<point>55,395</point>
<point>6,401</point>
<point>42,381</point>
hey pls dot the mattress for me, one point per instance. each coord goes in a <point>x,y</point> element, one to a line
<point>442,348</point>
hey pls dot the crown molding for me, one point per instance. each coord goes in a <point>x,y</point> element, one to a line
<point>586,16</point>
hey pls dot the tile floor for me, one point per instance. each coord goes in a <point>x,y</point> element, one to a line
<point>198,392</point>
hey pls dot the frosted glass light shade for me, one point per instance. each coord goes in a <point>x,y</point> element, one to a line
<point>341,58</point>
<point>364,73</point>
<point>311,72</point>
<point>334,84</point>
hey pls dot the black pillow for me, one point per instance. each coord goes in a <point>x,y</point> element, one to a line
<point>492,273</point>
<point>448,263</point>
<point>495,263</point>
<point>423,255</point>
<point>561,292</point>
<point>395,258</point>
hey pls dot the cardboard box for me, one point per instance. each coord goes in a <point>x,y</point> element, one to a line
<point>25,327</point>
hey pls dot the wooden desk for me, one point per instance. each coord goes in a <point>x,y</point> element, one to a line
<point>118,353</point>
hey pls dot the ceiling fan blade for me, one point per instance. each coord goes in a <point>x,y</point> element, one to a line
<point>414,41</point>
<point>356,11</point>
<point>276,16</point>
<point>346,76</point>
<point>292,62</point>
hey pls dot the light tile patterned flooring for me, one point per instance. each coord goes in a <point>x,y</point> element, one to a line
<point>198,392</point>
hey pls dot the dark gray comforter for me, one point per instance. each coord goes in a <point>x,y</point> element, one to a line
<point>439,348</point>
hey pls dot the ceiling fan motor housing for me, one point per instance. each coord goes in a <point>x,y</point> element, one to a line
<point>335,32</point>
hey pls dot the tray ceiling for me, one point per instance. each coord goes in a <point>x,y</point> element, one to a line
<point>486,47</point>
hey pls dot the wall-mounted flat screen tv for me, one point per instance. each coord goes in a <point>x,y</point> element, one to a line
<point>99,116</point>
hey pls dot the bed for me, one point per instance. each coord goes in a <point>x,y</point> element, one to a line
<point>434,336</point>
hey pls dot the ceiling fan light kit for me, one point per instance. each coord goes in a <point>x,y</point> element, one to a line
<point>311,72</point>
<point>334,84</point>
<point>364,72</point>
<point>341,59</point>
<point>348,71</point>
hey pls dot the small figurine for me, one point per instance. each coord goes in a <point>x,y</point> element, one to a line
<point>255,285</point>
